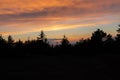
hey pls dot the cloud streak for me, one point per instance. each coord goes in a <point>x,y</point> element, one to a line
<point>56,8</point>
<point>25,16</point>
<point>18,8</point>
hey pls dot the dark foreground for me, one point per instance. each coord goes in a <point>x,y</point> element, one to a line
<point>99,67</point>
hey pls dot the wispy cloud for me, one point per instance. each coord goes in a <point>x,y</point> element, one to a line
<point>12,10</point>
<point>26,16</point>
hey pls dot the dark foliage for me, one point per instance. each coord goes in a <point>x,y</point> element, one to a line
<point>94,58</point>
<point>99,43</point>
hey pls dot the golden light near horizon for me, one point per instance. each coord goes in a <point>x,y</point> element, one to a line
<point>57,17</point>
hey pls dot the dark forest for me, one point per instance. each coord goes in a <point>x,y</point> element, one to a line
<point>96,58</point>
<point>99,43</point>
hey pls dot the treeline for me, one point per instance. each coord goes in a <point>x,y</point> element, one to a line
<point>99,43</point>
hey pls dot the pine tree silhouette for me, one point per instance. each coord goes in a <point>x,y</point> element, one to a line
<point>65,42</point>
<point>10,41</point>
<point>118,35</point>
<point>109,42</point>
<point>100,41</point>
<point>42,37</point>
<point>97,38</point>
<point>19,44</point>
<point>2,42</point>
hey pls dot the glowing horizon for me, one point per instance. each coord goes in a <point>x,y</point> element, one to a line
<point>74,18</point>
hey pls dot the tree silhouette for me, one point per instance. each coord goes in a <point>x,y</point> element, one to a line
<point>65,42</point>
<point>97,38</point>
<point>41,44</point>
<point>118,35</point>
<point>98,35</point>
<point>100,41</point>
<point>118,29</point>
<point>42,37</point>
<point>10,41</point>
<point>117,43</point>
<point>2,42</point>
<point>19,44</point>
<point>83,43</point>
<point>108,43</point>
<point>109,38</point>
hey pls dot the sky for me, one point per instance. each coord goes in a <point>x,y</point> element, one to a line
<point>74,18</point>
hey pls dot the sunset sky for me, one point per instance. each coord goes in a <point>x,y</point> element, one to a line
<point>74,18</point>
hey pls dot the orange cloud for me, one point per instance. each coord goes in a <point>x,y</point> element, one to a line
<point>23,6</point>
<point>26,16</point>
